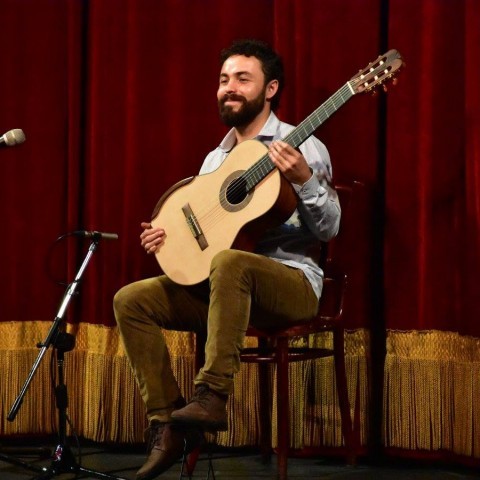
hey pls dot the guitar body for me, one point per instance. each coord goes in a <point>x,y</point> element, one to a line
<point>206,214</point>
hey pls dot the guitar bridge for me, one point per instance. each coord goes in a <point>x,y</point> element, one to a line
<point>194,226</point>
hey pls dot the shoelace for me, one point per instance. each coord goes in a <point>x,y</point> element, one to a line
<point>154,434</point>
<point>201,395</point>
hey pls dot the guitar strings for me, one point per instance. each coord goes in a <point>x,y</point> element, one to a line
<point>208,216</point>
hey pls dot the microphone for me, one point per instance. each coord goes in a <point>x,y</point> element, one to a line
<point>96,235</point>
<point>12,137</point>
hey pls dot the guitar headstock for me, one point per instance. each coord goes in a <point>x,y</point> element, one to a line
<point>376,73</point>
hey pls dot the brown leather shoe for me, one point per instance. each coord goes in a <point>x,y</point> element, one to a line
<point>205,410</point>
<point>150,433</point>
<point>166,445</point>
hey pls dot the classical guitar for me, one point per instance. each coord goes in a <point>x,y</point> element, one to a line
<point>205,214</point>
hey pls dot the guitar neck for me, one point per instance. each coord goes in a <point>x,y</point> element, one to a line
<point>257,172</point>
<point>305,129</point>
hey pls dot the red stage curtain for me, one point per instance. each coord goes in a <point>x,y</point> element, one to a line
<point>432,177</point>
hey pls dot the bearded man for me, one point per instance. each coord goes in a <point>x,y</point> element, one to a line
<point>281,277</point>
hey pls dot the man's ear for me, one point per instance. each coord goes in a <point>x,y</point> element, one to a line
<point>272,89</point>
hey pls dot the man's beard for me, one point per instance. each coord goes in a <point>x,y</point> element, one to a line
<point>247,112</point>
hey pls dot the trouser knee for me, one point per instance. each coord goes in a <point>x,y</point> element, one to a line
<point>121,301</point>
<point>129,302</point>
<point>228,263</point>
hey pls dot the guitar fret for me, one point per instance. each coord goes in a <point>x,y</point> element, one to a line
<point>257,172</point>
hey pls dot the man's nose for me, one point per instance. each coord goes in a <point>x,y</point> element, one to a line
<point>231,86</point>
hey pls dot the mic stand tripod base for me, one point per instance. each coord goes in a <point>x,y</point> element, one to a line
<point>63,459</point>
<point>64,462</point>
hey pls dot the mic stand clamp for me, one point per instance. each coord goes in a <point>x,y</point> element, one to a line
<point>63,459</point>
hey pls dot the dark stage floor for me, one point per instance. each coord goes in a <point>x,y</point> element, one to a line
<point>236,465</point>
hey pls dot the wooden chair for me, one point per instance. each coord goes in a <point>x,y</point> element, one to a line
<point>274,348</point>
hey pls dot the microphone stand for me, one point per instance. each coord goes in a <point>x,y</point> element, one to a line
<point>63,459</point>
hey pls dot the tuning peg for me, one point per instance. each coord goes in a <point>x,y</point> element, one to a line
<point>385,88</point>
<point>394,81</point>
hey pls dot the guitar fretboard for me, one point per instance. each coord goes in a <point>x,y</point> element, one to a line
<point>257,172</point>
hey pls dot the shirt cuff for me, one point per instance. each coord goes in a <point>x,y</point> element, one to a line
<point>311,188</point>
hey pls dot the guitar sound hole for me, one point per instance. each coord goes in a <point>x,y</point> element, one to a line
<point>237,191</point>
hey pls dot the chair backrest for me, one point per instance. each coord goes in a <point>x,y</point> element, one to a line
<point>343,255</point>
<point>330,249</point>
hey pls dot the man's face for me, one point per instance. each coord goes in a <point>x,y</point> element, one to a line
<point>242,91</point>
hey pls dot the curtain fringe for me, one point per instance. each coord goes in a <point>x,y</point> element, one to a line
<point>431,392</point>
<point>431,385</point>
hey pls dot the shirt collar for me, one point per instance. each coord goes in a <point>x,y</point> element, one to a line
<point>267,133</point>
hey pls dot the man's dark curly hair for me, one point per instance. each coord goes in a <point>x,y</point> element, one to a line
<point>272,64</point>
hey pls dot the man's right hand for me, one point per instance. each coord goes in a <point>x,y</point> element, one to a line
<point>151,238</point>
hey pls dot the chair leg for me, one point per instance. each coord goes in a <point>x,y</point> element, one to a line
<point>189,461</point>
<point>283,408</point>
<point>210,471</point>
<point>265,405</point>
